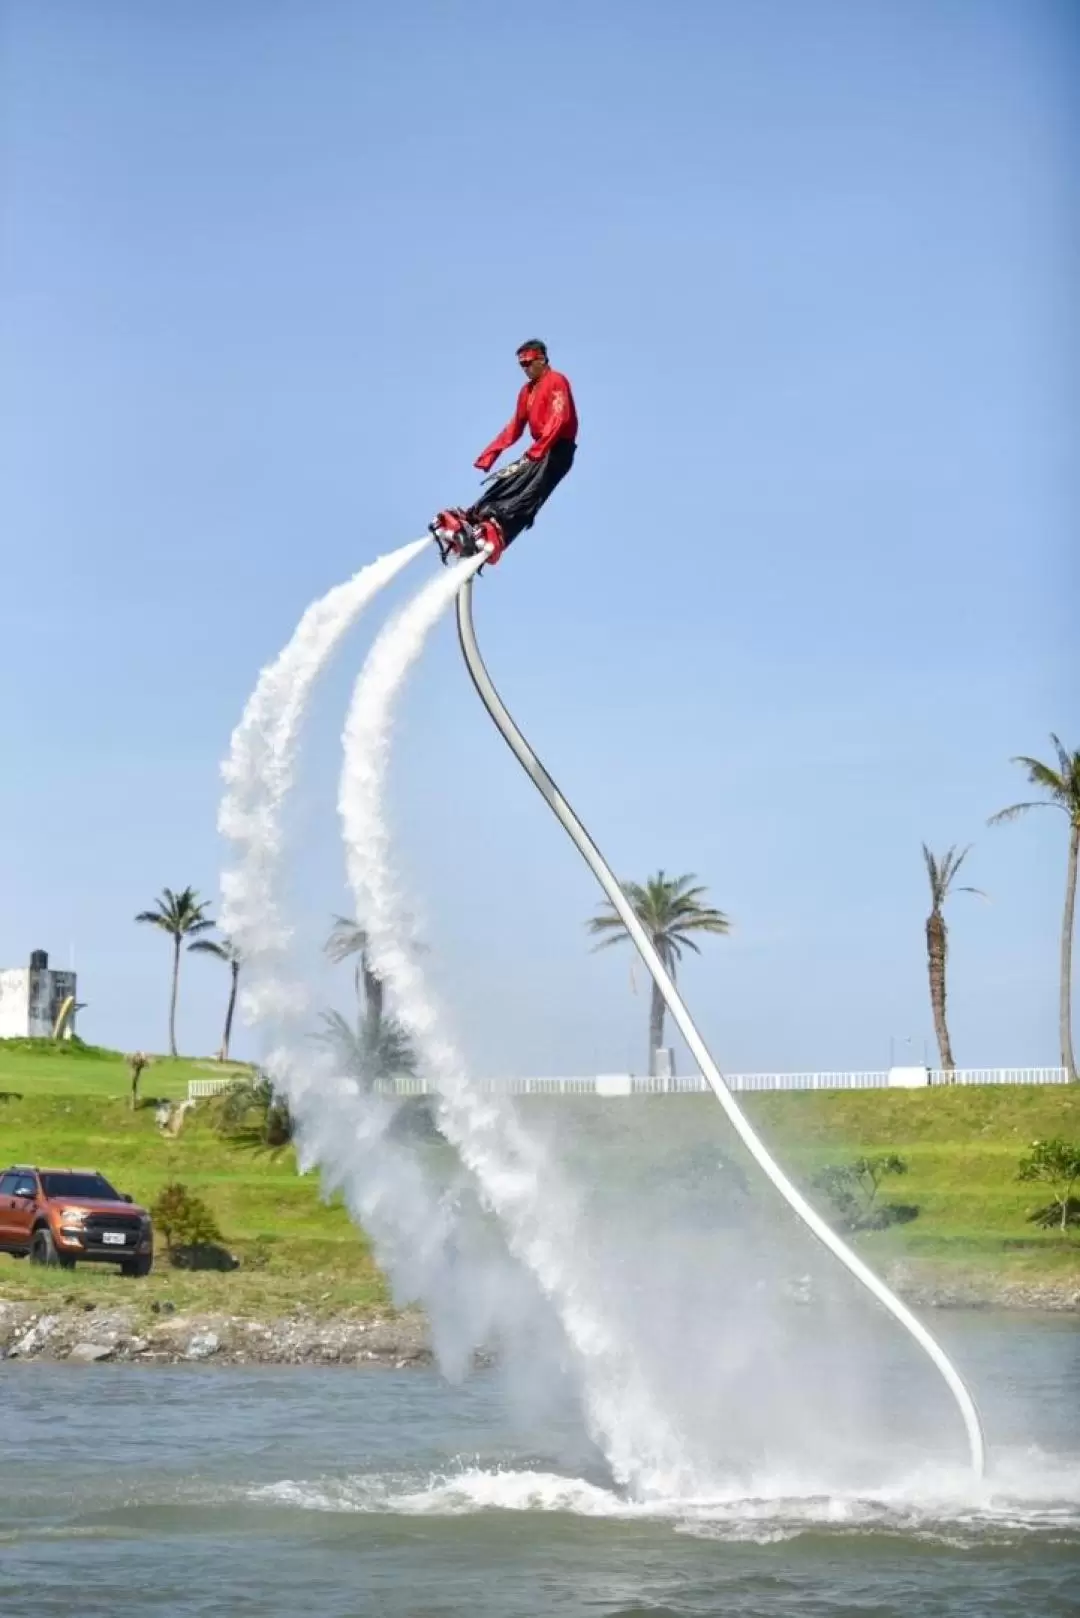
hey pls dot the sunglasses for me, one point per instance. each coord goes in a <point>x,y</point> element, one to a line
<point>529,359</point>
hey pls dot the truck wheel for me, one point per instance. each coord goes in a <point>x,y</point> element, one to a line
<point>43,1248</point>
<point>138,1266</point>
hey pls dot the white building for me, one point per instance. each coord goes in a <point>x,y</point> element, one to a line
<point>32,999</point>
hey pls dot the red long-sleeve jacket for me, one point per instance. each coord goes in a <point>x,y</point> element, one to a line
<point>546,407</point>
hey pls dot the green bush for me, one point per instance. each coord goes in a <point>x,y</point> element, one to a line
<point>256,1098</point>
<point>183,1218</point>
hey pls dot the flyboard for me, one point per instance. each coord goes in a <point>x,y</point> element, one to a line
<point>592,856</point>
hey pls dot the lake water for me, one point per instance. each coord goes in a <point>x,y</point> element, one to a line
<point>336,1493</point>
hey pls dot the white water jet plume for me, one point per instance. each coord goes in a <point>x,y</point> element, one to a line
<point>261,765</point>
<point>539,1216</point>
<point>420,1229</point>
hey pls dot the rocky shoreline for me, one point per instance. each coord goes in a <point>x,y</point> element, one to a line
<point>87,1333</point>
<point>924,1289</point>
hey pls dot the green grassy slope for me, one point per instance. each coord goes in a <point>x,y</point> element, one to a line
<point>71,1108</point>
<point>962,1146</point>
<point>33,1067</point>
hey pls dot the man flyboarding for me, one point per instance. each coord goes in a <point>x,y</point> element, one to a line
<point>514,496</point>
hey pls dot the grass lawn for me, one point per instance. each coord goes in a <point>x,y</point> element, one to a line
<point>70,1106</point>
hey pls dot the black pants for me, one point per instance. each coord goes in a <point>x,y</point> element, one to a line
<point>513,501</point>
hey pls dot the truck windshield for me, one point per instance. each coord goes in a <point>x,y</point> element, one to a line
<point>78,1185</point>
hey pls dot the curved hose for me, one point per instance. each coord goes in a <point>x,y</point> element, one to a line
<point>794,1198</point>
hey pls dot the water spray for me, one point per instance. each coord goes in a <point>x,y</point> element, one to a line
<point>539,1216</point>
<point>794,1198</point>
<point>417,1228</point>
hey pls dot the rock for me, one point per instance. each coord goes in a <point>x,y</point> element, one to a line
<point>170,1116</point>
<point>33,1340</point>
<point>203,1345</point>
<point>90,1353</point>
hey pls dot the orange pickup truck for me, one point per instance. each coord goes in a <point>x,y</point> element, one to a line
<point>71,1216</point>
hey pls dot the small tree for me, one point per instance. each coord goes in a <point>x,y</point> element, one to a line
<point>852,1189</point>
<point>1055,1163</point>
<point>183,1218</point>
<point>137,1061</point>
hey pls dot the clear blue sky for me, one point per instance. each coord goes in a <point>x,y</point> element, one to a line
<point>810,585</point>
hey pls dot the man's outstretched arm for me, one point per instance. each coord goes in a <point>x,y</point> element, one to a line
<point>509,435</point>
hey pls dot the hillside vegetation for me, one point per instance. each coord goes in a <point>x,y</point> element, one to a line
<point>70,1106</point>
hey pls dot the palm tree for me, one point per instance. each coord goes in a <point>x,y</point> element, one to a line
<point>346,939</point>
<point>1062,789</point>
<point>375,1055</point>
<point>180,915</point>
<point>669,909</point>
<point>942,873</point>
<point>226,951</point>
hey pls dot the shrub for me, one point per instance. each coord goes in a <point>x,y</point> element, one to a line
<point>183,1218</point>
<point>256,1096</point>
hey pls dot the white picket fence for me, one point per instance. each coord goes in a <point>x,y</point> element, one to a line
<point>199,1089</point>
<point>624,1084</point>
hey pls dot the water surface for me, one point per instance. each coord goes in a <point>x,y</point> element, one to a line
<point>336,1493</point>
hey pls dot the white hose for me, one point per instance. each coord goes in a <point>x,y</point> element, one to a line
<point>794,1198</point>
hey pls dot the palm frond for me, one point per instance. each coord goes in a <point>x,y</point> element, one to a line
<point>346,938</point>
<point>704,921</point>
<point>933,871</point>
<point>942,869</point>
<point>1042,775</point>
<point>1066,761</point>
<point>223,948</point>
<point>1015,810</point>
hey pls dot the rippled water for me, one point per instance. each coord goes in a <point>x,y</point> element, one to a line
<point>341,1493</point>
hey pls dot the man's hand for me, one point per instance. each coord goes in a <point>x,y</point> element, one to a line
<point>486,461</point>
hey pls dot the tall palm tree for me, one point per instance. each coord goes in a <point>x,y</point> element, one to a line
<point>669,909</point>
<point>347,939</point>
<point>1062,789</point>
<point>226,951</point>
<point>181,915</point>
<point>941,869</point>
